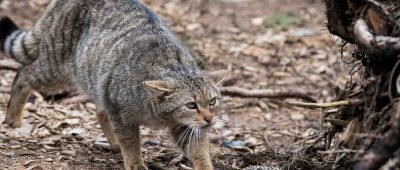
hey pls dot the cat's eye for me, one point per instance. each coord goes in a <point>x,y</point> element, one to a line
<point>191,105</point>
<point>213,101</point>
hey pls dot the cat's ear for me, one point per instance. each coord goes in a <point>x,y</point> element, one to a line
<point>160,88</point>
<point>219,76</point>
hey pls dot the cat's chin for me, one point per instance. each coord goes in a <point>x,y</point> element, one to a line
<point>207,126</point>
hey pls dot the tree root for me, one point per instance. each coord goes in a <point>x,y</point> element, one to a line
<point>383,149</point>
<point>381,43</point>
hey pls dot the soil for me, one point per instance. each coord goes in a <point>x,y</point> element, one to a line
<point>223,34</point>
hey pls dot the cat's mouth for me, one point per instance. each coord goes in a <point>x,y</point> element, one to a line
<point>196,125</point>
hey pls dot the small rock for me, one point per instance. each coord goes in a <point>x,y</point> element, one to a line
<point>3,137</point>
<point>72,121</point>
<point>77,131</point>
<point>69,152</point>
<point>192,27</point>
<point>102,144</point>
<point>90,106</point>
<point>113,161</point>
<point>23,131</point>
<point>49,160</point>
<point>43,132</point>
<point>219,125</point>
<point>183,166</point>
<point>302,32</point>
<point>251,141</point>
<point>15,146</point>
<point>236,144</point>
<point>257,21</point>
<point>9,154</point>
<point>297,116</point>
<point>255,51</point>
<point>47,142</point>
<point>99,160</point>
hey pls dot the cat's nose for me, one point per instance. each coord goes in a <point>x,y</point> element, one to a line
<point>208,119</point>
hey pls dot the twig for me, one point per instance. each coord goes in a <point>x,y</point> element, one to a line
<point>336,122</point>
<point>10,64</point>
<point>351,102</point>
<point>383,149</point>
<point>340,151</point>
<point>335,110</point>
<point>266,93</point>
<point>315,136</point>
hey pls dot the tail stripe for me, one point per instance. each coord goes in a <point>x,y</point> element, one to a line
<point>25,51</point>
<point>20,49</point>
<point>8,47</point>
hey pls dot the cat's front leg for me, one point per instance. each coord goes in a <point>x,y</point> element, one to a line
<point>196,147</point>
<point>129,140</point>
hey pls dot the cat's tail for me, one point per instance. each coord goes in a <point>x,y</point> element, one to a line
<point>14,42</point>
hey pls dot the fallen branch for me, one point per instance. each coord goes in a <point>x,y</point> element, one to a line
<point>340,151</point>
<point>266,93</point>
<point>352,102</point>
<point>337,122</point>
<point>10,64</point>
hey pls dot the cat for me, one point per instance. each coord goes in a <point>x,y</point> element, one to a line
<point>125,59</point>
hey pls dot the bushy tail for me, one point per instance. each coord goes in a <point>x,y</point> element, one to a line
<point>14,42</point>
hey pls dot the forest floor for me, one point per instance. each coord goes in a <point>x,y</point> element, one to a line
<point>275,44</point>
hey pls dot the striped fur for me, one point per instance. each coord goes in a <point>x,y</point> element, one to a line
<point>125,59</point>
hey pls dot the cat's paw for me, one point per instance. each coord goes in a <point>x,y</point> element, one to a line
<point>115,148</point>
<point>136,166</point>
<point>12,122</point>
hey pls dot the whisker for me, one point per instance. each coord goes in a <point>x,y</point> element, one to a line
<point>182,136</point>
<point>190,138</point>
<point>198,134</point>
<point>186,135</point>
<point>187,123</point>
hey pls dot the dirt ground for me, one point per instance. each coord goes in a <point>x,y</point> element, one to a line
<point>241,35</point>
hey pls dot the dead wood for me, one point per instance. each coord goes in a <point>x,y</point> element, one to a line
<point>367,40</point>
<point>266,93</point>
<point>384,149</point>
<point>373,26</point>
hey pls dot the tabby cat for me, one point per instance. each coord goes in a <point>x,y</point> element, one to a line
<point>131,66</point>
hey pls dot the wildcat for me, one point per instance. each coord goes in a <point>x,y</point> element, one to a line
<point>124,58</point>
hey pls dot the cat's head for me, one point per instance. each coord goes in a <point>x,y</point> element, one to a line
<point>190,100</point>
